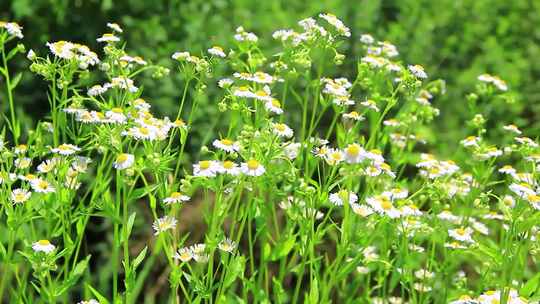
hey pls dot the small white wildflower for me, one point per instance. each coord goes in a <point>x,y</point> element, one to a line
<point>124,161</point>
<point>253,168</point>
<point>163,224</point>
<point>43,246</point>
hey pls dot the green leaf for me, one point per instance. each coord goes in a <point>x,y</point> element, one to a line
<point>283,248</point>
<point>138,260</point>
<point>131,221</point>
<point>314,292</point>
<point>235,269</point>
<point>101,299</point>
<point>530,287</point>
<point>73,277</point>
<point>15,81</point>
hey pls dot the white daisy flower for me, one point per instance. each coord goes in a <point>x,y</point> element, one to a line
<point>13,29</point>
<point>217,51</point>
<point>372,171</point>
<point>410,210</point>
<point>243,91</point>
<point>116,115</point>
<point>227,245</point>
<point>471,141</point>
<point>180,56</point>
<point>226,145</point>
<point>229,167</point>
<point>282,130</point>
<point>342,196</point>
<point>361,209</point>
<point>383,205</point>
<point>43,246</point>
<point>20,149</point>
<point>241,35</point>
<point>354,153</point>
<point>124,161</point>
<point>354,116</point>
<point>334,156</point>
<point>522,190</point>
<point>507,169</point>
<point>291,150</point>
<point>446,215</point>
<point>367,39</point>
<point>512,128</point>
<point>163,224</point>
<point>66,149</point>
<point>461,234</point>
<point>370,104</point>
<point>115,27</point>
<point>142,133</point>
<point>508,201</point>
<point>263,95</point>
<point>175,198</point>
<point>41,186</point>
<point>205,168</point>
<point>273,106</point>
<point>252,168</point>
<point>108,38</point>
<point>23,162</point>
<point>337,24</point>
<point>184,254</point>
<point>225,82</point>
<point>19,196</point>
<point>418,71</point>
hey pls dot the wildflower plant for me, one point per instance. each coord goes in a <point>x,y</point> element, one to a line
<point>324,187</point>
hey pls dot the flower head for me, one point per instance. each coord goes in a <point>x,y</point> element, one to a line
<point>43,246</point>
<point>252,168</point>
<point>124,161</point>
<point>163,224</point>
<point>175,198</point>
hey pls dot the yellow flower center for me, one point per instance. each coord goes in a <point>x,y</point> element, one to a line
<point>386,204</point>
<point>460,231</point>
<point>276,103</point>
<point>228,164</point>
<point>144,131</point>
<point>176,194</point>
<point>204,164</point>
<point>252,164</point>
<point>44,242</point>
<point>533,198</point>
<point>353,150</point>
<point>336,156</point>
<point>122,158</point>
<point>344,195</point>
<point>227,142</point>
<point>280,127</point>
<point>43,185</point>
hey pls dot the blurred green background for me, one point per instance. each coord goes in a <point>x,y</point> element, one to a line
<point>454,39</point>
